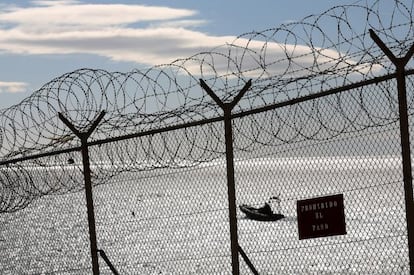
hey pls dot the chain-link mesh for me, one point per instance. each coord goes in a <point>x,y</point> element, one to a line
<point>364,166</point>
<point>50,235</point>
<point>326,124</point>
<point>175,219</point>
<point>165,220</point>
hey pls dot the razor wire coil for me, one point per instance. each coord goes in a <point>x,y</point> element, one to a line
<point>285,63</point>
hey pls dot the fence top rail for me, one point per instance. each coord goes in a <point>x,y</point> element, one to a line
<point>290,61</point>
<point>240,114</point>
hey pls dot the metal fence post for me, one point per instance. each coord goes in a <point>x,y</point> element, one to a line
<point>83,136</point>
<point>227,108</point>
<point>108,262</point>
<point>405,139</point>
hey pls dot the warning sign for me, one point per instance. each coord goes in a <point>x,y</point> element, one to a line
<point>321,217</point>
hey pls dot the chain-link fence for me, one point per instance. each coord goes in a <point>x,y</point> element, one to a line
<point>162,178</point>
<point>365,166</point>
<point>174,220</point>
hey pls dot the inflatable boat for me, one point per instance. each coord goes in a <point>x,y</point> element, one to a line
<point>258,214</point>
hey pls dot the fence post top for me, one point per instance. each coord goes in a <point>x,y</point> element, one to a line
<point>399,62</point>
<point>226,106</point>
<point>83,136</point>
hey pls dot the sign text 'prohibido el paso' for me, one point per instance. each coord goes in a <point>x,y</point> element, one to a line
<point>321,217</point>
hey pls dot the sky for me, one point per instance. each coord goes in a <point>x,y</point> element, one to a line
<point>41,39</point>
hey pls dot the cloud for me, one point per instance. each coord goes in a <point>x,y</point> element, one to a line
<point>13,87</point>
<point>54,2</point>
<point>76,15</point>
<point>179,24</point>
<point>143,34</point>
<point>149,35</point>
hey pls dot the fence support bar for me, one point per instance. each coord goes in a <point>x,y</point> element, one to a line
<point>231,189</point>
<point>405,139</point>
<point>83,136</point>
<point>248,262</point>
<point>108,262</point>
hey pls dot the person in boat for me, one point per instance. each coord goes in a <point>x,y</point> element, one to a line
<point>267,209</point>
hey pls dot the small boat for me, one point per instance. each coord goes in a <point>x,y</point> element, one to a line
<point>259,214</point>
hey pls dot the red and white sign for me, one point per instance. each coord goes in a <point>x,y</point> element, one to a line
<point>321,217</point>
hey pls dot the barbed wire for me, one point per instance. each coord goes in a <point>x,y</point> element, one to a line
<point>291,61</point>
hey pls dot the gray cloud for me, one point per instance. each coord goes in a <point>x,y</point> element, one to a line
<point>70,27</point>
<point>13,87</point>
